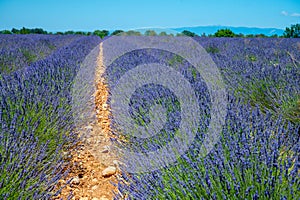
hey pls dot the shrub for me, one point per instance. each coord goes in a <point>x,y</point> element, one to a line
<point>224,33</point>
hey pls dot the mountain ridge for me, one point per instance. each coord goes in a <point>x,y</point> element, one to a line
<point>199,30</point>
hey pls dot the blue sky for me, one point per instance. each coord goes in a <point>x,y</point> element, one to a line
<point>61,15</point>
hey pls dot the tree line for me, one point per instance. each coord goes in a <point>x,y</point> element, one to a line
<point>100,33</point>
<point>290,32</point>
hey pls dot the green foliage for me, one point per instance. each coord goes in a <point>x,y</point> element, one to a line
<point>28,31</point>
<point>240,35</point>
<point>30,57</point>
<point>24,31</point>
<point>163,33</point>
<point>117,32</point>
<point>175,60</point>
<point>265,94</point>
<point>130,33</point>
<point>188,33</point>
<point>5,32</point>
<point>80,33</point>
<point>293,32</point>
<point>249,36</point>
<point>15,31</point>
<point>251,58</point>
<point>150,33</point>
<point>261,35</point>
<point>101,34</point>
<point>37,31</point>
<point>274,36</point>
<point>224,33</point>
<point>291,109</point>
<point>69,33</point>
<point>212,49</point>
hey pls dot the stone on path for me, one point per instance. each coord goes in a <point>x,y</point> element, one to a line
<point>75,181</point>
<point>109,171</point>
<point>105,149</point>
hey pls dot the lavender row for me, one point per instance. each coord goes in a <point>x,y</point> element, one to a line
<point>36,122</point>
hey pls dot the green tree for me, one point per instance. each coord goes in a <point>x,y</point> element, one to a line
<point>37,31</point>
<point>274,36</point>
<point>250,36</point>
<point>129,33</point>
<point>69,32</point>
<point>117,32</point>
<point>224,33</point>
<point>240,35</point>
<point>5,32</point>
<point>261,35</point>
<point>188,33</point>
<point>15,31</point>
<point>163,33</point>
<point>24,31</point>
<point>150,33</point>
<point>101,34</point>
<point>80,33</point>
<point>28,31</point>
<point>293,32</point>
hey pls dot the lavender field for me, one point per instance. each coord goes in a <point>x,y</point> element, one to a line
<point>257,155</point>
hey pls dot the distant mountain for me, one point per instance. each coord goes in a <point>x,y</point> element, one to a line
<point>244,30</point>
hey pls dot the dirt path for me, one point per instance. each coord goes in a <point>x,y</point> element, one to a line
<point>94,166</point>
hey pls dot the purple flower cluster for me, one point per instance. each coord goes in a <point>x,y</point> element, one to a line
<point>257,156</point>
<point>36,115</point>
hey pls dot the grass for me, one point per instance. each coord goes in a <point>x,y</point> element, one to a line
<point>8,64</point>
<point>29,56</point>
<point>271,96</point>
<point>175,60</point>
<point>212,49</point>
<point>291,109</point>
<point>4,69</point>
<point>251,58</point>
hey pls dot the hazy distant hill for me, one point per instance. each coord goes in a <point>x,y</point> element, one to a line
<point>245,30</point>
